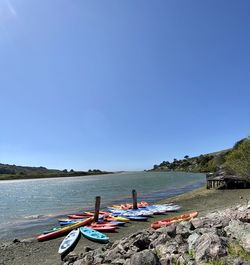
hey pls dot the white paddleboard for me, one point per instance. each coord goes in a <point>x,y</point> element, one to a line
<point>68,241</point>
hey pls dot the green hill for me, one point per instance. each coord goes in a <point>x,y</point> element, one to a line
<point>24,172</point>
<point>235,161</point>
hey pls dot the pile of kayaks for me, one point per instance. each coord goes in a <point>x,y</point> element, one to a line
<point>117,215</point>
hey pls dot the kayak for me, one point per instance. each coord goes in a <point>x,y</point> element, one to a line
<point>77,216</point>
<point>64,230</point>
<point>69,241</point>
<point>69,221</point>
<point>171,220</point>
<point>93,213</point>
<point>102,223</point>
<point>117,218</point>
<point>119,223</point>
<point>102,228</point>
<point>126,213</point>
<point>162,208</point>
<point>138,218</point>
<point>127,206</point>
<point>94,235</point>
<point>52,229</point>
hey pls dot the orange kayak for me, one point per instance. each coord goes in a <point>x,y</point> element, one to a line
<point>64,230</point>
<point>176,219</point>
<point>128,206</point>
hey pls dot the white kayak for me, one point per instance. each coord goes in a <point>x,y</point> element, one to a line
<point>138,212</point>
<point>68,241</point>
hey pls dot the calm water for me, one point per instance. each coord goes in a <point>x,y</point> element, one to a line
<point>29,206</point>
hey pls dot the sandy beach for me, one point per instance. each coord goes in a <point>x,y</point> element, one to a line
<point>29,251</point>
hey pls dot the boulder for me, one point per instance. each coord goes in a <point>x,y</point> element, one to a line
<point>163,250</point>
<point>169,230</point>
<point>209,246</point>
<point>112,254</point>
<point>239,231</point>
<point>191,240</point>
<point>160,240</point>
<point>118,262</point>
<point>184,229</point>
<point>170,259</point>
<point>142,242</point>
<point>145,257</point>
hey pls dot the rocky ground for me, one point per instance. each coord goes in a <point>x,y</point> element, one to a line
<point>222,237</point>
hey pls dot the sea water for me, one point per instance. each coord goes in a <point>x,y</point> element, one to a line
<point>28,206</point>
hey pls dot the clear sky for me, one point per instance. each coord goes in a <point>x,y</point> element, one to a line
<point>121,85</point>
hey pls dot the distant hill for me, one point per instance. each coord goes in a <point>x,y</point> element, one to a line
<point>24,172</point>
<point>235,160</point>
<point>202,163</point>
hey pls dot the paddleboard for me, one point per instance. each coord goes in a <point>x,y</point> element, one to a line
<point>69,241</point>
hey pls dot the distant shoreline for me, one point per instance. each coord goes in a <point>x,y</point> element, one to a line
<point>68,175</point>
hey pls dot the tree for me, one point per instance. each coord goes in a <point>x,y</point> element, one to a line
<point>186,156</point>
<point>238,160</point>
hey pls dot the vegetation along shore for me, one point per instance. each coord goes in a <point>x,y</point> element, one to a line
<point>234,160</point>
<point>8,172</point>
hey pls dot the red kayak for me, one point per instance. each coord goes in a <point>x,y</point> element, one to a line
<point>93,213</point>
<point>78,216</point>
<point>102,228</point>
<point>103,224</point>
<point>64,230</point>
<point>176,219</point>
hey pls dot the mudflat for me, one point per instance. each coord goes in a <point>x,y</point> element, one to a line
<point>29,251</point>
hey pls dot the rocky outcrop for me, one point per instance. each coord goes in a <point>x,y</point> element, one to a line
<point>194,242</point>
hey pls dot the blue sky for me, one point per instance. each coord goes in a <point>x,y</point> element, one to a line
<point>121,85</point>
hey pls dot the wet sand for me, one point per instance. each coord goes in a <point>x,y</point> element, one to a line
<point>30,251</point>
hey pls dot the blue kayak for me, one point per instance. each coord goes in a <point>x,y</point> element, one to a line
<point>94,235</point>
<point>137,218</point>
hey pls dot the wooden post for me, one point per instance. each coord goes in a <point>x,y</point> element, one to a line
<point>97,208</point>
<point>134,197</point>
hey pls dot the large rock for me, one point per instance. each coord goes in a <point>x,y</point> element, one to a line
<point>142,242</point>
<point>169,230</point>
<point>145,257</point>
<point>112,254</point>
<point>170,259</point>
<point>213,220</point>
<point>240,231</point>
<point>191,241</point>
<point>163,250</point>
<point>160,240</point>
<point>209,246</point>
<point>184,229</point>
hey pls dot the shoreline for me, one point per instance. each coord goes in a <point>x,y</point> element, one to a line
<point>51,176</point>
<point>34,224</point>
<point>29,251</point>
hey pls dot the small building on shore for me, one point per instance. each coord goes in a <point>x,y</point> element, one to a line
<point>221,180</point>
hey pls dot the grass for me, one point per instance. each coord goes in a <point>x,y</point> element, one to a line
<point>215,262</point>
<point>235,250</point>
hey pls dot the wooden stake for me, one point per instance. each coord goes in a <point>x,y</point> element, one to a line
<point>97,208</point>
<point>134,197</point>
